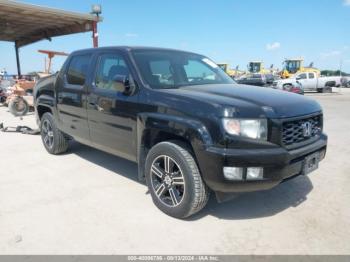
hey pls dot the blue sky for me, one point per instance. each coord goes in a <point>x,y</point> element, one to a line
<point>233,31</point>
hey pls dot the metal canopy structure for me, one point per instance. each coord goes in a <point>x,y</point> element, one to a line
<point>24,24</point>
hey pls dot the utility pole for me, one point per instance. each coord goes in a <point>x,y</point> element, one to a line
<point>96,10</point>
<point>341,65</point>
<point>17,60</point>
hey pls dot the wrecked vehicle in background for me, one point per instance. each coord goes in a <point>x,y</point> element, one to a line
<point>310,82</point>
<point>20,97</point>
<point>256,79</point>
<point>296,88</point>
<point>17,94</point>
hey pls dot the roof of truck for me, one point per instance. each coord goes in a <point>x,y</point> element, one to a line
<point>130,48</point>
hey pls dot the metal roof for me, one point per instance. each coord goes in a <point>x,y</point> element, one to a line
<point>26,23</point>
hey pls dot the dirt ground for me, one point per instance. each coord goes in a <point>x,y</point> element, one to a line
<point>89,202</point>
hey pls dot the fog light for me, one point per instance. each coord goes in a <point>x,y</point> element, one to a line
<point>233,173</point>
<point>255,173</point>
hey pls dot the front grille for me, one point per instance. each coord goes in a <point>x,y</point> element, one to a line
<point>293,132</point>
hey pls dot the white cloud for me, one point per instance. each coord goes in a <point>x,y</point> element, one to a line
<point>332,53</point>
<point>346,2</point>
<point>273,46</point>
<point>131,35</point>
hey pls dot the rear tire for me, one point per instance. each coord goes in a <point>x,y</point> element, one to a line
<point>328,87</point>
<point>174,181</point>
<point>53,139</point>
<point>2,99</point>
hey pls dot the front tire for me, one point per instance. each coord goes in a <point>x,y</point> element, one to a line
<point>174,181</point>
<point>53,139</point>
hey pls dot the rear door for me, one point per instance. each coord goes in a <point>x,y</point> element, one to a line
<point>112,114</point>
<point>71,98</point>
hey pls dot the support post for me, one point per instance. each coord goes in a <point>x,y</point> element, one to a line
<point>94,34</point>
<point>17,60</point>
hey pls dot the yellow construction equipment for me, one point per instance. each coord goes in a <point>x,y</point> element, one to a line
<point>296,65</point>
<point>231,72</point>
<point>257,67</point>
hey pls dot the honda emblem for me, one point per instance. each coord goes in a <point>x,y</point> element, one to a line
<point>307,129</point>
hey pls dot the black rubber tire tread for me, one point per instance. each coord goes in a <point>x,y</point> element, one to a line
<point>60,141</point>
<point>189,155</point>
<point>200,192</point>
<point>12,106</point>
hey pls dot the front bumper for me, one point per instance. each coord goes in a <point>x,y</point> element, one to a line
<point>279,164</point>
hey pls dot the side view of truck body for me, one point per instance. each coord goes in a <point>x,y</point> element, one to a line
<point>310,81</point>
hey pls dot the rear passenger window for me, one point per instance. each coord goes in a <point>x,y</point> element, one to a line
<point>77,69</point>
<point>311,75</point>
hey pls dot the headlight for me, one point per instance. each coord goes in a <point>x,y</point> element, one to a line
<point>253,128</point>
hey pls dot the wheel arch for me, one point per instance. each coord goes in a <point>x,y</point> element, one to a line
<point>43,104</point>
<point>42,109</point>
<point>330,83</point>
<point>154,128</point>
<point>287,84</point>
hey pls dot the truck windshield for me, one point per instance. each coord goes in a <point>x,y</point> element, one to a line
<point>174,69</point>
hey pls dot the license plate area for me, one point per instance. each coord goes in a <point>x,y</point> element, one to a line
<point>311,163</point>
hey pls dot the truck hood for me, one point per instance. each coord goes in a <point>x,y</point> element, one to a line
<point>244,98</point>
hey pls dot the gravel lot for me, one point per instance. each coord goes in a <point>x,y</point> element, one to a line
<point>89,202</point>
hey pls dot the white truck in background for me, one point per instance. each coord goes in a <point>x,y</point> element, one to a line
<point>310,81</point>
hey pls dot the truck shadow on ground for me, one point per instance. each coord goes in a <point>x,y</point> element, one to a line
<point>245,206</point>
<point>120,166</point>
<point>267,203</point>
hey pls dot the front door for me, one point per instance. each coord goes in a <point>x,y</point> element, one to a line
<point>312,81</point>
<point>302,79</point>
<point>111,113</point>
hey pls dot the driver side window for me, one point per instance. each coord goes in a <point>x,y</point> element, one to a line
<point>302,76</point>
<point>110,66</point>
<point>162,72</point>
<point>196,70</point>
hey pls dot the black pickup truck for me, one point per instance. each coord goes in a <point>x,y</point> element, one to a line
<point>188,125</point>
